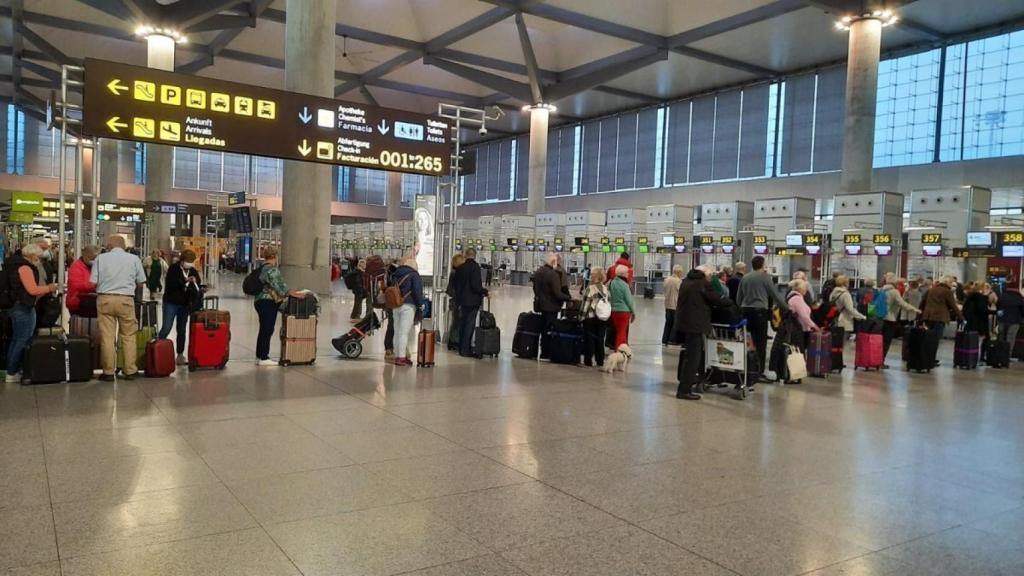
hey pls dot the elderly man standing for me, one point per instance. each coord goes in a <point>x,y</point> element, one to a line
<point>116,275</point>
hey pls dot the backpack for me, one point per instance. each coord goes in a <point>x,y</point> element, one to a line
<point>603,308</point>
<point>393,297</point>
<point>881,303</point>
<point>350,280</point>
<point>253,285</point>
<point>825,314</point>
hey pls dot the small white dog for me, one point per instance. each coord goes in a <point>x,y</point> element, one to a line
<point>619,359</point>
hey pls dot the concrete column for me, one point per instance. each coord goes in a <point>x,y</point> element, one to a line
<point>394,200</point>
<point>159,55</point>
<point>306,195</point>
<point>109,171</point>
<point>861,96</point>
<point>538,168</point>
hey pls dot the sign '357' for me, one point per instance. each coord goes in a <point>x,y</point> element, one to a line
<point>146,105</point>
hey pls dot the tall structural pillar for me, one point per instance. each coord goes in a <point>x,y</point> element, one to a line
<point>394,199</point>
<point>861,96</point>
<point>538,168</point>
<point>306,196</point>
<point>108,168</point>
<point>159,55</point>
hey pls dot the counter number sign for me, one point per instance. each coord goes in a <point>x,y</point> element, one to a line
<point>883,239</point>
<point>851,239</point>
<point>931,238</point>
<point>760,239</point>
<point>146,105</point>
<point>728,240</point>
<point>1012,238</point>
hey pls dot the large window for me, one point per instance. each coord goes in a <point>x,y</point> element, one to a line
<point>983,99</point>
<point>908,90</point>
<point>15,149</point>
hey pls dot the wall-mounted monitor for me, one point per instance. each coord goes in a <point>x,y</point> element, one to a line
<point>680,249</point>
<point>979,239</point>
<point>853,249</point>
<point>760,249</point>
<point>668,240</point>
<point>794,240</point>
<point>643,248</point>
<point>883,250</point>
<point>813,249</point>
<point>728,248</point>
<point>931,249</point>
<point>1013,251</point>
<point>707,249</point>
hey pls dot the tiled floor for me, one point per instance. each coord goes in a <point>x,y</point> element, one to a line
<point>509,468</point>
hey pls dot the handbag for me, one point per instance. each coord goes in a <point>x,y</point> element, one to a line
<point>603,308</point>
<point>796,364</point>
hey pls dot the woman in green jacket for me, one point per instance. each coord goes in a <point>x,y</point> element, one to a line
<point>623,306</point>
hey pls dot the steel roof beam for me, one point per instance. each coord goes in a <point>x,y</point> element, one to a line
<point>115,8</point>
<point>628,94</point>
<point>368,95</point>
<point>53,76</point>
<point>188,13</point>
<point>504,85</point>
<point>493,63</point>
<point>725,61</point>
<point>600,76</point>
<point>51,51</point>
<point>221,40</point>
<point>736,21</point>
<point>532,70</point>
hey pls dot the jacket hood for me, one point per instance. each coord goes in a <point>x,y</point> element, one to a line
<point>695,275</point>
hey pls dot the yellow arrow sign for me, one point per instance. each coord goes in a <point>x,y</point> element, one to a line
<point>304,148</point>
<point>116,87</point>
<point>113,124</point>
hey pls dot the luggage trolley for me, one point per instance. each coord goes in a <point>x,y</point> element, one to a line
<point>727,358</point>
<point>350,344</point>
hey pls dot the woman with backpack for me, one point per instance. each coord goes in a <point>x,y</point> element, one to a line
<point>595,312</point>
<point>404,297</point>
<point>268,303</point>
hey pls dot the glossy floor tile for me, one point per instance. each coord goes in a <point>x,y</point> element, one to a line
<point>510,467</point>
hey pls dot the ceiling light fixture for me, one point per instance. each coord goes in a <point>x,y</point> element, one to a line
<point>551,108</point>
<point>145,31</point>
<point>886,17</point>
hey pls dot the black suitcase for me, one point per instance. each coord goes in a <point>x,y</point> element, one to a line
<point>997,354</point>
<point>526,340</point>
<point>649,293</point>
<point>52,359</point>
<point>301,308</point>
<point>966,350</point>
<point>487,341</point>
<point>146,313</point>
<point>563,343</point>
<point>920,348</point>
<point>838,343</point>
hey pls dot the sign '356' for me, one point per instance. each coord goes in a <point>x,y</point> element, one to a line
<point>146,105</point>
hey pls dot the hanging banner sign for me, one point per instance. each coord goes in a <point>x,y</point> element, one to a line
<point>30,202</point>
<point>146,105</point>
<point>178,208</point>
<point>423,219</point>
<point>236,198</point>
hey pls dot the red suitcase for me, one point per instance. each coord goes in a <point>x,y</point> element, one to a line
<point>425,343</point>
<point>869,351</point>
<point>159,358</point>
<point>208,345</point>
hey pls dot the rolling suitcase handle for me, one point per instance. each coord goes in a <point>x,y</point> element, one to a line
<point>211,303</point>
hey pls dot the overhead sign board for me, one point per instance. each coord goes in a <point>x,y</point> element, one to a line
<point>178,208</point>
<point>236,198</point>
<point>31,202</point>
<point>146,105</point>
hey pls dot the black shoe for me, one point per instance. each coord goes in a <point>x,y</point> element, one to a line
<point>762,379</point>
<point>688,396</point>
<point>131,376</point>
<point>885,366</point>
<point>106,378</point>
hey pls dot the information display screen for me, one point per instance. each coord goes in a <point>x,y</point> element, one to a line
<point>643,248</point>
<point>883,250</point>
<point>760,249</point>
<point>794,240</point>
<point>813,249</point>
<point>728,249</point>
<point>931,249</point>
<point>707,248</point>
<point>680,249</point>
<point>979,240</point>
<point>1013,251</point>
<point>853,249</point>
<point>668,240</point>
<point>146,105</point>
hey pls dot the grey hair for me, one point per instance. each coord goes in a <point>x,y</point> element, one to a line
<point>799,275</point>
<point>741,266</point>
<point>677,270</point>
<point>116,240</point>
<point>622,271</point>
<point>707,269</point>
<point>797,284</point>
<point>31,250</point>
<point>889,278</point>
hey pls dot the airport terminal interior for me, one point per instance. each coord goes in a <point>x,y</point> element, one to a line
<point>842,177</point>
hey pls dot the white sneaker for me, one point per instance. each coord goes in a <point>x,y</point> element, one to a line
<point>13,378</point>
<point>267,362</point>
<point>181,360</point>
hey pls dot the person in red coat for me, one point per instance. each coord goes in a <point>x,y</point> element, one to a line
<point>78,280</point>
<point>622,261</point>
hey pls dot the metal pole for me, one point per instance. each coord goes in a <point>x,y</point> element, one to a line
<point>63,176</point>
<point>93,226</point>
<point>79,191</point>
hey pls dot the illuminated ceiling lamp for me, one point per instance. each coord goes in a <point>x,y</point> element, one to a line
<point>551,108</point>
<point>884,15</point>
<point>146,31</point>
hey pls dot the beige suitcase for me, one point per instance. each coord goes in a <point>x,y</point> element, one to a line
<point>298,340</point>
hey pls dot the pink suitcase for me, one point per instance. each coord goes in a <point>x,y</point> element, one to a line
<point>869,351</point>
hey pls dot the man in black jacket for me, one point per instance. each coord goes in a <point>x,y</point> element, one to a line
<point>693,322</point>
<point>469,295</point>
<point>548,296</point>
